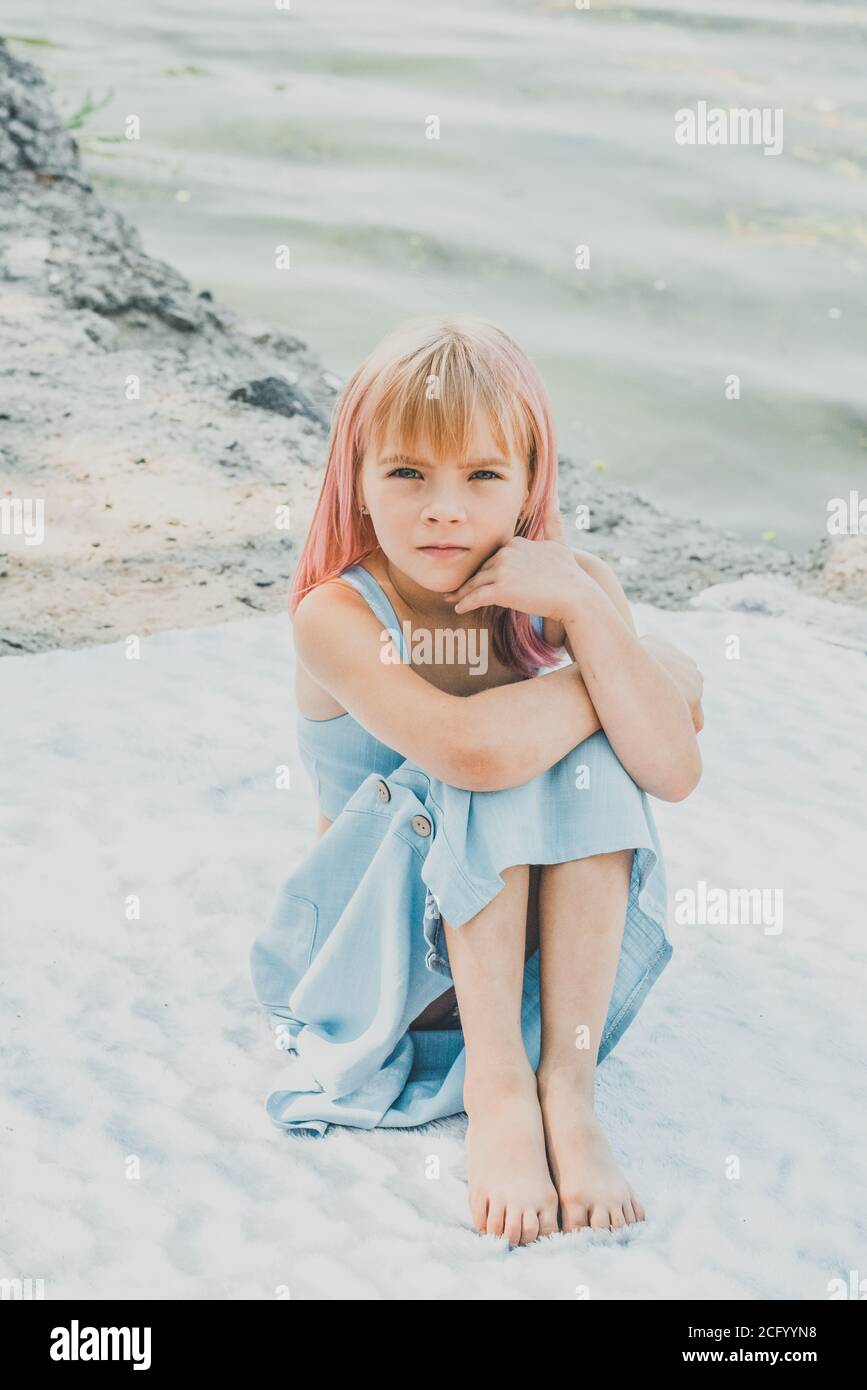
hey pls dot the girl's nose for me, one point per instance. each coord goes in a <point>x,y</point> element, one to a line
<point>444,509</point>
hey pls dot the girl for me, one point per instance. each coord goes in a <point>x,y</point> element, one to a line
<point>484,911</point>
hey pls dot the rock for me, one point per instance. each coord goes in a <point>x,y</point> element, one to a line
<point>836,566</point>
<point>669,558</point>
<point>839,624</point>
<point>277,394</point>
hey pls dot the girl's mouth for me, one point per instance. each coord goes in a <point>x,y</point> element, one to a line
<point>444,551</point>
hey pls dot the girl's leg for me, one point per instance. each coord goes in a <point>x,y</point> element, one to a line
<point>582,913</point>
<point>441,1011</point>
<point>511,1192</point>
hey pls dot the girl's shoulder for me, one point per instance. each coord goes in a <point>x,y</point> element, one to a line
<point>314,626</point>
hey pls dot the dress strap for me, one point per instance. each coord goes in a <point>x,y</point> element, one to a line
<point>378,601</point>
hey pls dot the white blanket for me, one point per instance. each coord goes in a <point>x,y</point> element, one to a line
<point>137,1157</point>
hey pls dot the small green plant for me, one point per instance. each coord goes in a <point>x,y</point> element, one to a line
<point>78,118</point>
<point>26,38</point>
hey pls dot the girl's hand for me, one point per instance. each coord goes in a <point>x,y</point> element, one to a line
<point>683,670</point>
<point>536,577</point>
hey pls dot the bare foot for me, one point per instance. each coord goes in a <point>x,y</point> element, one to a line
<point>511,1192</point>
<point>592,1189</point>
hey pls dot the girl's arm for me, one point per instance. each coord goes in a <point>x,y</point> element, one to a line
<point>678,663</point>
<point>496,738</point>
<point>643,711</point>
<point>646,692</point>
<point>520,760</point>
<point>489,741</point>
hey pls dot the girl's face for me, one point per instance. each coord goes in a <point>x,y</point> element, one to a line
<point>472,504</point>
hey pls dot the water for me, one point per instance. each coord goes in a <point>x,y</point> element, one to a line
<point>263,127</point>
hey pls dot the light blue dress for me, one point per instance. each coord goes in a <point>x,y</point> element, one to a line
<point>355,947</point>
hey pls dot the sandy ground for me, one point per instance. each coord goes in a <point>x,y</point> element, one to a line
<point>160,512</point>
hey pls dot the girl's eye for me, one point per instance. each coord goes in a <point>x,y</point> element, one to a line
<point>406,469</point>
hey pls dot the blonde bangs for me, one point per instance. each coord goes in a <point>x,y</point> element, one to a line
<point>429,398</point>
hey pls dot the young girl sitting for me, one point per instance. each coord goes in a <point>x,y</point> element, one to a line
<point>484,911</point>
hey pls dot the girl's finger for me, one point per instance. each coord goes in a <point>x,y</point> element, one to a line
<point>478,598</point>
<point>481,576</point>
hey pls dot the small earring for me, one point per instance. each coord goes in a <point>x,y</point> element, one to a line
<point>363,509</point>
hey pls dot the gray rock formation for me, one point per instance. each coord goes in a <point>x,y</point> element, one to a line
<point>163,433</point>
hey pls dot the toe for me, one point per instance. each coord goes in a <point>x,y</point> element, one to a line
<point>617,1218</point>
<point>637,1207</point>
<point>600,1217</point>
<point>548,1220</point>
<point>512,1225</point>
<point>530,1226</point>
<point>496,1217</point>
<point>479,1212</point>
<point>574,1215</point>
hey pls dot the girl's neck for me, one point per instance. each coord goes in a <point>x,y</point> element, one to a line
<point>426,605</point>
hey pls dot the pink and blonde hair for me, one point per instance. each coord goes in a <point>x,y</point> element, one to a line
<point>473,363</point>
